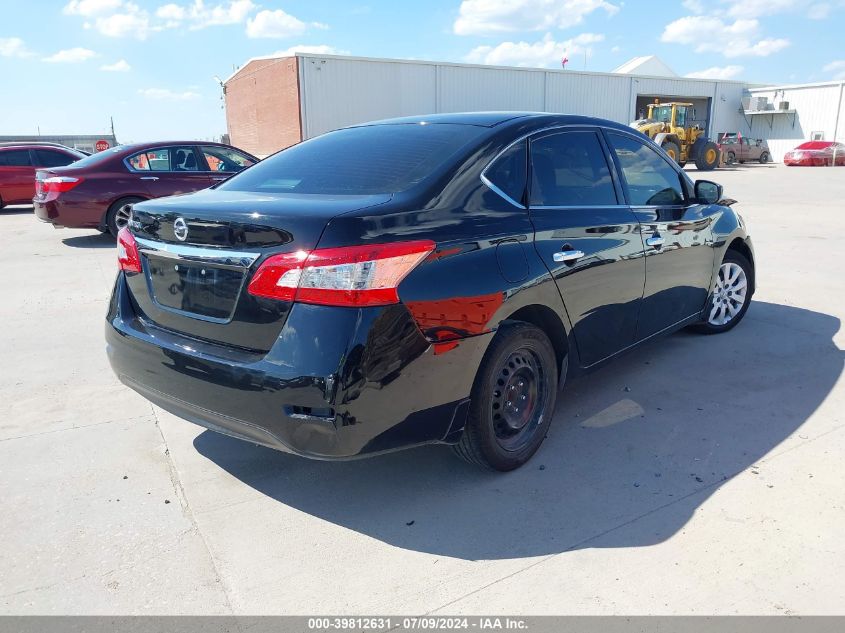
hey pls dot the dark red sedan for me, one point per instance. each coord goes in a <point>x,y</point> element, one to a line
<point>18,164</point>
<point>98,191</point>
<point>816,154</point>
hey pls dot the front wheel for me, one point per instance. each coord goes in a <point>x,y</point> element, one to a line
<point>731,295</point>
<point>672,150</point>
<point>764,158</point>
<point>708,157</point>
<point>731,158</point>
<point>513,399</point>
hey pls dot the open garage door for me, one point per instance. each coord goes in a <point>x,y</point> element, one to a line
<point>701,105</point>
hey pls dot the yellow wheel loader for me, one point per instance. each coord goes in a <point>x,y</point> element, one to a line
<point>667,125</point>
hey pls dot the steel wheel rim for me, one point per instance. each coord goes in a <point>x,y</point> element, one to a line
<point>711,155</point>
<point>729,295</point>
<point>519,398</point>
<point>123,215</point>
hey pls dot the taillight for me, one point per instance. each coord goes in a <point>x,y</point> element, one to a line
<point>59,184</point>
<point>347,276</point>
<point>128,257</point>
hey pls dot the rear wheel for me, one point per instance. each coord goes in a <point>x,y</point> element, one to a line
<point>513,399</point>
<point>708,158</point>
<point>731,159</point>
<point>672,150</point>
<point>731,295</point>
<point>764,158</point>
<point>119,214</point>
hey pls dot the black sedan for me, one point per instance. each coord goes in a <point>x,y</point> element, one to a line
<point>419,280</point>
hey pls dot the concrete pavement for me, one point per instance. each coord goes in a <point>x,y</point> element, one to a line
<point>697,475</point>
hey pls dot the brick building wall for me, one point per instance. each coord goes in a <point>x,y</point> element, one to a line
<point>262,106</point>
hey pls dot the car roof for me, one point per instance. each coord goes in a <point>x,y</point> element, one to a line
<point>37,146</point>
<point>494,119</point>
<point>815,144</point>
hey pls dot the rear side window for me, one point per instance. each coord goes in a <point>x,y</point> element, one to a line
<point>225,159</point>
<point>509,173</point>
<point>183,159</point>
<point>147,161</point>
<point>358,161</point>
<point>570,169</point>
<point>15,158</point>
<point>651,180</point>
<point>48,158</point>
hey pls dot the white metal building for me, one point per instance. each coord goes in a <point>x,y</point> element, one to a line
<point>272,103</point>
<point>797,113</point>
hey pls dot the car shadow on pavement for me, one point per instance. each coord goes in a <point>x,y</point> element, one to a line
<point>634,450</point>
<point>96,240</point>
<point>17,210</point>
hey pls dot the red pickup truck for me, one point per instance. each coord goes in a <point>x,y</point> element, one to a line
<point>738,149</point>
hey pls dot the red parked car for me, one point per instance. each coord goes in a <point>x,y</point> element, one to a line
<point>18,163</point>
<point>816,154</point>
<point>98,191</point>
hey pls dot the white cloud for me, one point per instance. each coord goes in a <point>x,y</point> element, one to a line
<point>120,66</point>
<point>502,16</point>
<point>616,49</point>
<point>199,15</point>
<point>544,53</point>
<point>819,11</point>
<point>164,94</point>
<point>709,34</point>
<point>171,12</point>
<point>717,72</point>
<point>758,8</point>
<point>71,56</point>
<point>693,6</point>
<point>125,19</point>
<point>837,68</point>
<point>132,22</point>
<point>88,8</point>
<point>317,49</point>
<point>14,47</point>
<point>274,24</point>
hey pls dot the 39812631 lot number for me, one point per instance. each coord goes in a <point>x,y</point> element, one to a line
<point>384,623</point>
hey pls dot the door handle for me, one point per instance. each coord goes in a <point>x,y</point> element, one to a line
<point>568,256</point>
<point>149,177</point>
<point>655,241</point>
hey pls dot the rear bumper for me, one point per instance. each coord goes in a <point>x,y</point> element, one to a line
<point>378,387</point>
<point>62,214</point>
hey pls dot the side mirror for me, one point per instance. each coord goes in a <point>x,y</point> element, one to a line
<point>707,192</point>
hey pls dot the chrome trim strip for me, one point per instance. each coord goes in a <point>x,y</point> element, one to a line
<point>199,254</point>
<point>564,207</point>
<point>498,191</point>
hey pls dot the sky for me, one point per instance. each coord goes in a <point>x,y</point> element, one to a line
<point>67,66</point>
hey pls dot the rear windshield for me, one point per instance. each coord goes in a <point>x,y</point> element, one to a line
<point>357,161</point>
<point>99,157</point>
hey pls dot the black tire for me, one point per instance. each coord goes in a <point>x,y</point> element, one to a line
<point>682,163</point>
<point>673,150</point>
<point>112,219</point>
<point>764,158</point>
<point>707,158</point>
<point>731,159</point>
<point>706,327</point>
<point>521,364</point>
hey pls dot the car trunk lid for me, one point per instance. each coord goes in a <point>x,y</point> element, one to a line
<point>199,251</point>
